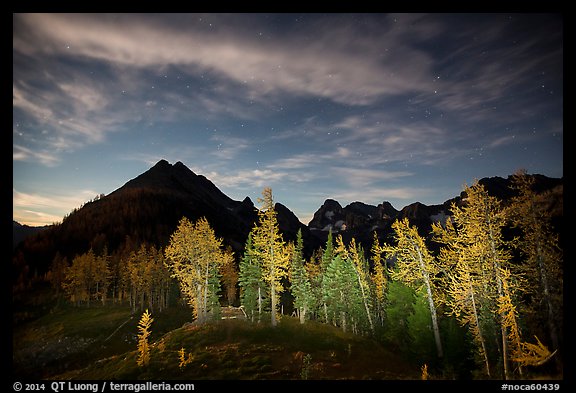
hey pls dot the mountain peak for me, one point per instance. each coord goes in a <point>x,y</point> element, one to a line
<point>162,164</point>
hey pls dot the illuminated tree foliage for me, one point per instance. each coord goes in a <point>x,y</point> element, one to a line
<point>362,271</point>
<point>249,279</point>
<point>463,283</point>
<point>300,286</point>
<point>195,256</point>
<point>57,274</point>
<point>538,245</point>
<point>146,279</point>
<point>416,267</point>
<point>229,275</point>
<point>379,279</point>
<point>143,334</point>
<point>271,251</point>
<point>87,278</point>
<point>482,283</point>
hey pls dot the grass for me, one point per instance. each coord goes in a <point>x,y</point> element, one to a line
<point>100,343</point>
<point>68,337</point>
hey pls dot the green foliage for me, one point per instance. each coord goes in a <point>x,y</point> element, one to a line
<point>419,329</point>
<point>300,287</point>
<point>306,366</point>
<point>252,289</point>
<point>416,267</point>
<point>398,309</point>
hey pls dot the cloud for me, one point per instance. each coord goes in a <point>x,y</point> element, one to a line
<point>45,209</point>
<point>21,153</point>
<point>339,63</point>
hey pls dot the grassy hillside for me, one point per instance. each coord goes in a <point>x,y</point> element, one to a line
<point>100,343</point>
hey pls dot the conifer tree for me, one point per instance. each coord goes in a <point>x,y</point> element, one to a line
<point>362,270</point>
<point>249,279</point>
<point>229,275</point>
<point>300,283</point>
<point>271,251</point>
<point>379,278</point>
<point>194,256</point>
<point>327,257</point>
<point>481,257</point>
<point>143,334</point>
<point>463,284</point>
<point>543,256</point>
<point>340,294</point>
<point>57,275</point>
<point>416,267</point>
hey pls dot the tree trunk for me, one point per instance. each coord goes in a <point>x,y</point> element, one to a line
<point>426,277</point>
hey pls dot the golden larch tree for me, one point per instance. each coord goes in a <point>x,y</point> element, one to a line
<point>271,251</point>
<point>195,256</point>
<point>416,267</point>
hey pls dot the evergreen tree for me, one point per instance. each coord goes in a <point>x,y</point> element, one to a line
<point>300,283</point>
<point>416,267</point>
<point>420,333</point>
<point>327,257</point>
<point>399,307</point>
<point>252,288</point>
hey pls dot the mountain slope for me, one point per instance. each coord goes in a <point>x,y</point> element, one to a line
<point>21,232</point>
<point>148,209</point>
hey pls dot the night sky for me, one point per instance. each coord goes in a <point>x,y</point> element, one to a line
<point>354,107</point>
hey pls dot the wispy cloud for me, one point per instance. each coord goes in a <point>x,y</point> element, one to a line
<point>41,209</point>
<point>329,66</point>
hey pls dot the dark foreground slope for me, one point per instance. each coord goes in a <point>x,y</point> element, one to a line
<point>99,343</point>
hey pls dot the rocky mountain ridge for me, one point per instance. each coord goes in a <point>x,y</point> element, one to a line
<point>149,207</point>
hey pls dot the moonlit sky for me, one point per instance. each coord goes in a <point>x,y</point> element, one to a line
<point>354,107</point>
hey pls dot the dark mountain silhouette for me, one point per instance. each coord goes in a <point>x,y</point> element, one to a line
<point>359,220</point>
<point>21,232</point>
<point>149,207</point>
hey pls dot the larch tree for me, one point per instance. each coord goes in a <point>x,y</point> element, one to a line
<point>538,244</point>
<point>362,270</point>
<point>485,277</point>
<point>194,256</point>
<point>271,250</point>
<point>57,272</point>
<point>416,267</point>
<point>463,284</point>
<point>379,278</point>
<point>229,275</point>
<point>143,333</point>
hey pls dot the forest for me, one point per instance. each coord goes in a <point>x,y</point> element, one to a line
<point>479,297</point>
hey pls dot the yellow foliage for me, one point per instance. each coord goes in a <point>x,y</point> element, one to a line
<point>184,361</point>
<point>533,354</point>
<point>424,372</point>
<point>144,332</point>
